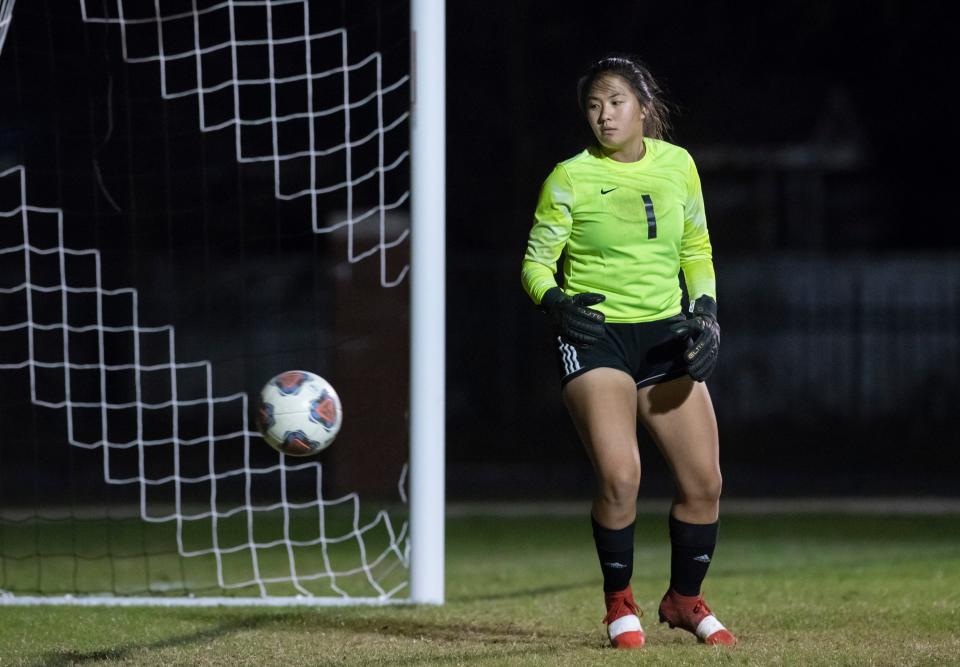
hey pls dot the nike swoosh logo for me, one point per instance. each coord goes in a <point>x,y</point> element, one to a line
<point>604,192</point>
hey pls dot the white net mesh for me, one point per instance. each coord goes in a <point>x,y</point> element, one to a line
<point>51,272</point>
<point>6,11</point>
<point>201,55</point>
<point>262,530</point>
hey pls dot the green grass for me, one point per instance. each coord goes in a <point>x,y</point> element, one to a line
<point>57,555</point>
<point>802,590</point>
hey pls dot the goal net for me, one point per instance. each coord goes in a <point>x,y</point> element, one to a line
<point>194,197</point>
<point>6,8</point>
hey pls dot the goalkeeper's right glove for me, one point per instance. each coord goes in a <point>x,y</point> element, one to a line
<point>576,323</point>
<point>703,333</point>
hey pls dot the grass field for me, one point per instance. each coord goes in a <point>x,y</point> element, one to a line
<point>797,590</point>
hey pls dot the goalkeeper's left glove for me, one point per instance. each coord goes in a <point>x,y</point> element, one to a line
<point>703,332</point>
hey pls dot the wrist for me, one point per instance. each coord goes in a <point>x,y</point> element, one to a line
<point>705,305</point>
<point>552,297</point>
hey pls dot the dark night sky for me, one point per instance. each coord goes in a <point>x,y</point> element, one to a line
<point>748,74</point>
<point>747,77</point>
<point>215,254</point>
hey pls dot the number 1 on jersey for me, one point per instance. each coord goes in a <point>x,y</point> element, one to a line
<point>651,217</point>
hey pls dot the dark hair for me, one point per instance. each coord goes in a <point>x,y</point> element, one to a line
<point>644,86</point>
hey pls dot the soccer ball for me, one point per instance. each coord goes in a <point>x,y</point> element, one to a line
<point>299,414</point>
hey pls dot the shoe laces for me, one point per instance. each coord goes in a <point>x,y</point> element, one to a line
<point>616,611</point>
<point>701,606</point>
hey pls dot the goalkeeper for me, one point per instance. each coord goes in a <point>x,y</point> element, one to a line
<point>627,216</point>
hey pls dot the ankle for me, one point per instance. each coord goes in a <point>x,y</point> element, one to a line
<point>685,599</point>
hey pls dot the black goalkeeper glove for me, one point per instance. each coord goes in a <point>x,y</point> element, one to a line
<point>703,332</point>
<point>574,321</point>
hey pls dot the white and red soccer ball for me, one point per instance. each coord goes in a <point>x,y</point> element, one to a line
<point>300,413</point>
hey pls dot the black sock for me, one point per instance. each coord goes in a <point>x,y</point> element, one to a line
<point>692,550</point>
<point>615,551</point>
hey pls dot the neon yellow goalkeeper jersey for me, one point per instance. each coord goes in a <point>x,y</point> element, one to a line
<point>625,230</point>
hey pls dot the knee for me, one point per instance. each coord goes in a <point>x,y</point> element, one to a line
<point>704,492</point>
<point>620,487</point>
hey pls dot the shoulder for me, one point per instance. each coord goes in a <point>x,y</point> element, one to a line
<point>668,152</point>
<point>577,160</point>
<point>566,171</point>
<point>676,161</point>
<point>584,164</point>
<point>572,165</point>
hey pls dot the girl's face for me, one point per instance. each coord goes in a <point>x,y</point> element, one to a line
<point>615,114</point>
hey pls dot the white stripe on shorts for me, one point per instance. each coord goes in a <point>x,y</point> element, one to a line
<point>570,361</point>
<point>652,377</point>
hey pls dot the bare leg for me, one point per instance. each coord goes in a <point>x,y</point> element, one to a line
<point>679,416</point>
<point>603,405</point>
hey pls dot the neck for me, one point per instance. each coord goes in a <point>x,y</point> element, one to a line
<point>632,152</point>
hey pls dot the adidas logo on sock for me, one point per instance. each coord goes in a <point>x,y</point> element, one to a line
<point>704,558</point>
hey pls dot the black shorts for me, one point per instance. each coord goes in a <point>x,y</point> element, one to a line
<point>647,351</point>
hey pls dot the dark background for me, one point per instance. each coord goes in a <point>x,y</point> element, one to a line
<point>824,142</point>
<point>825,151</point>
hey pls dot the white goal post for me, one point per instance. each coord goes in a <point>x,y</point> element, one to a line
<point>427,296</point>
<point>265,549</point>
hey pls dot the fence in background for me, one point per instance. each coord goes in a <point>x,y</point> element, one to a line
<point>836,374</point>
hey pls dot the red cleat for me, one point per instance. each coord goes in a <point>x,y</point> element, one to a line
<point>623,620</point>
<point>692,614</point>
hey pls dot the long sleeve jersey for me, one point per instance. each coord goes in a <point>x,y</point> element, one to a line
<point>625,230</point>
